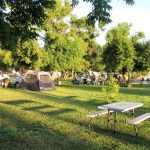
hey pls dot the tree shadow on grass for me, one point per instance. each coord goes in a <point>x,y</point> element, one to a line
<point>31,134</point>
<point>141,86</point>
<point>124,137</point>
<point>68,100</point>
<point>90,88</point>
<point>121,136</point>
<point>128,137</point>
<point>135,91</point>
<point>35,108</point>
<point>60,111</point>
<point>17,102</point>
<point>141,110</point>
<point>38,128</point>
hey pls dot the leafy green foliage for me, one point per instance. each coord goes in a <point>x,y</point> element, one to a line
<point>30,56</point>
<point>8,39</point>
<point>88,34</point>
<point>6,59</point>
<point>95,59</point>
<point>111,90</point>
<point>100,11</point>
<point>66,49</point>
<point>20,20</point>
<point>68,56</point>
<point>22,17</point>
<point>118,53</point>
<point>142,53</point>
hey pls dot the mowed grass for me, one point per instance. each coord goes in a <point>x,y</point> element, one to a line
<point>55,120</point>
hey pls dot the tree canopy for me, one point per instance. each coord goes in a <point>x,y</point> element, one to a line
<point>70,42</point>
<point>119,51</point>
<point>100,10</point>
<point>6,59</point>
<point>88,34</point>
<point>65,48</point>
<point>30,56</point>
<point>142,56</point>
<point>22,17</point>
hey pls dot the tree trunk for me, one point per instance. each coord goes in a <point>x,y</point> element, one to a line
<point>72,74</point>
<point>124,71</point>
<point>65,74</point>
<point>129,77</point>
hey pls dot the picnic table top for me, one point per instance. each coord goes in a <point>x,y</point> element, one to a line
<point>122,106</point>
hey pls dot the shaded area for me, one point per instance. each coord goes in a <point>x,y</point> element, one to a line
<point>40,136</point>
<point>60,111</point>
<point>17,102</point>
<point>124,137</point>
<point>101,129</point>
<point>59,123</point>
<point>135,91</point>
<point>142,89</point>
<point>83,87</point>
<point>35,108</point>
<point>68,100</point>
<point>27,134</point>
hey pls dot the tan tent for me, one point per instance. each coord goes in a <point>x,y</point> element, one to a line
<point>36,81</point>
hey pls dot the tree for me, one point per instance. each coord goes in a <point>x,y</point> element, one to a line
<point>8,39</point>
<point>142,59</point>
<point>30,56</point>
<point>88,33</point>
<point>67,54</point>
<point>65,48</point>
<point>118,53</point>
<point>95,59</point>
<point>6,59</point>
<point>142,53</point>
<point>100,10</point>
<point>23,17</point>
<point>110,90</point>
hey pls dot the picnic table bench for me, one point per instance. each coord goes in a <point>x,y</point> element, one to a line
<point>138,120</point>
<point>92,115</point>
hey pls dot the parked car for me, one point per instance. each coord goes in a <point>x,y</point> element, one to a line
<point>15,80</point>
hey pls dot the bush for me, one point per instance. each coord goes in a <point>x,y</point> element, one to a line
<point>110,90</point>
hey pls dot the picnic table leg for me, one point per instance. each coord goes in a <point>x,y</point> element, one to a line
<point>90,122</point>
<point>135,128</point>
<point>115,121</point>
<point>108,119</point>
<point>126,117</point>
<point>133,113</point>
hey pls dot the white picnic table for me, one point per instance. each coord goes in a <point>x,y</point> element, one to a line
<point>121,107</point>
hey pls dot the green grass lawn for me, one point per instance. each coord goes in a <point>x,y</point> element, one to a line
<point>55,120</point>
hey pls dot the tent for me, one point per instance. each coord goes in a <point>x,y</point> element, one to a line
<point>36,81</point>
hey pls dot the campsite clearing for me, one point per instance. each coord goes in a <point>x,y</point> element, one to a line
<point>56,120</point>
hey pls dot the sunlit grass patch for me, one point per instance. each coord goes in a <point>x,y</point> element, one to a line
<point>57,120</point>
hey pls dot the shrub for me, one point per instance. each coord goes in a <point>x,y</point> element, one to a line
<point>110,90</point>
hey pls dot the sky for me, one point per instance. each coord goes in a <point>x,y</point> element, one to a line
<point>137,14</point>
